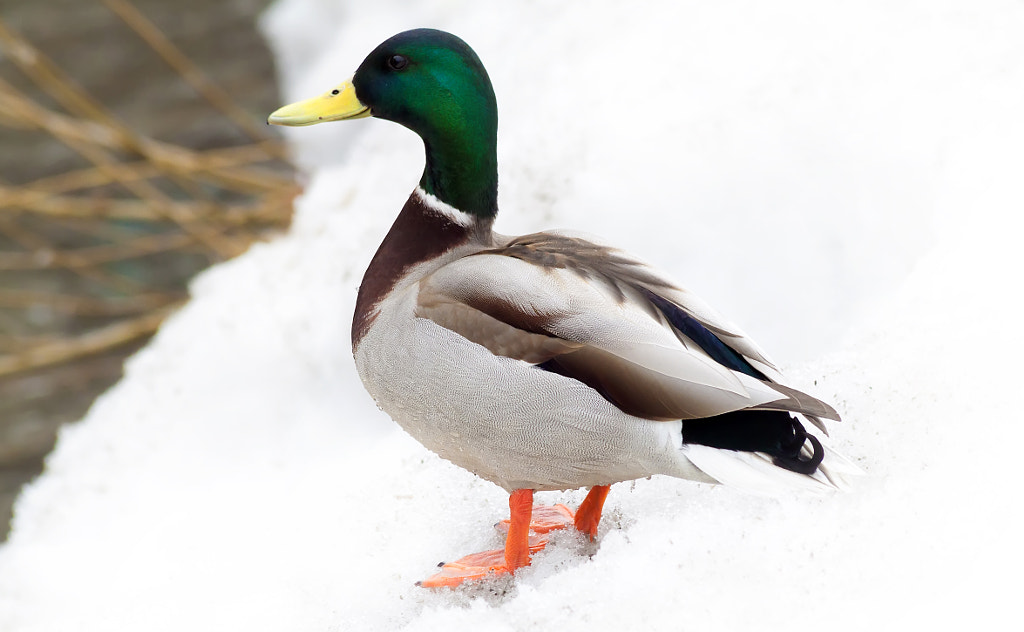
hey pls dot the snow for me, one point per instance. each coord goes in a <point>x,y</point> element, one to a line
<point>842,179</point>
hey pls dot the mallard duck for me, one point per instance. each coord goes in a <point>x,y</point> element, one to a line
<point>546,361</point>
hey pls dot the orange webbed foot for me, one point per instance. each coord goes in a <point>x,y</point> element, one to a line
<point>518,547</point>
<point>527,529</point>
<point>468,568</point>
<point>545,519</point>
<point>476,566</point>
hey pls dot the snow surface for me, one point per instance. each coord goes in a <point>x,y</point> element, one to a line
<point>842,179</point>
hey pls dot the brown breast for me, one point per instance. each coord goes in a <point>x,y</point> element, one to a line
<point>419,234</point>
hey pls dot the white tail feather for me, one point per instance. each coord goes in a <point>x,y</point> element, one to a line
<point>754,472</point>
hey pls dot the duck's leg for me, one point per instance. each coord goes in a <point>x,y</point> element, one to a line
<point>526,528</point>
<point>517,543</point>
<point>589,514</point>
<point>518,546</point>
<point>585,519</point>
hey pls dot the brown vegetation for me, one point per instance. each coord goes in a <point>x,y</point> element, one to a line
<point>136,198</point>
<point>102,224</point>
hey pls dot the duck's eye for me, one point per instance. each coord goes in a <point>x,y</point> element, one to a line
<point>397,62</point>
<point>335,91</point>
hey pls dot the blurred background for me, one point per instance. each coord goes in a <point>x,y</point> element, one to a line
<point>134,155</point>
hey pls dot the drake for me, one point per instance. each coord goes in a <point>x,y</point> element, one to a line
<point>547,361</point>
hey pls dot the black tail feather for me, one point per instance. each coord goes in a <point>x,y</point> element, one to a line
<point>775,433</point>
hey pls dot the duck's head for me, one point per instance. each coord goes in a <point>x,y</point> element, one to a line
<point>433,83</point>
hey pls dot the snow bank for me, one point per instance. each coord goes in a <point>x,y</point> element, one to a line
<point>818,171</point>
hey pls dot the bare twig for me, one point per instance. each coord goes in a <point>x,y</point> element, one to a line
<point>121,204</point>
<point>102,339</point>
<point>159,156</point>
<point>272,210</point>
<point>212,160</point>
<point>95,255</point>
<point>31,242</point>
<point>189,71</point>
<point>87,305</point>
<point>143,189</point>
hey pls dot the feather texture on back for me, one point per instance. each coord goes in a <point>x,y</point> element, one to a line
<point>595,314</point>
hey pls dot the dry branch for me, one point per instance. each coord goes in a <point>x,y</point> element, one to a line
<point>95,255</point>
<point>87,305</point>
<point>137,198</point>
<point>106,163</point>
<point>189,71</point>
<point>105,338</point>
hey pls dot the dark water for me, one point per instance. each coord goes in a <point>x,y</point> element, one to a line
<point>117,68</point>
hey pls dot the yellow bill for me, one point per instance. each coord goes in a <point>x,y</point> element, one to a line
<point>338,104</point>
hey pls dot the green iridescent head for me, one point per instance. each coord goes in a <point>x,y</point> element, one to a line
<point>433,83</point>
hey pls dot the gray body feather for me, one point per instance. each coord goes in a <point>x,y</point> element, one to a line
<point>450,353</point>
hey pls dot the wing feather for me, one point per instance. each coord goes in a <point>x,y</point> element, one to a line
<point>590,313</point>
